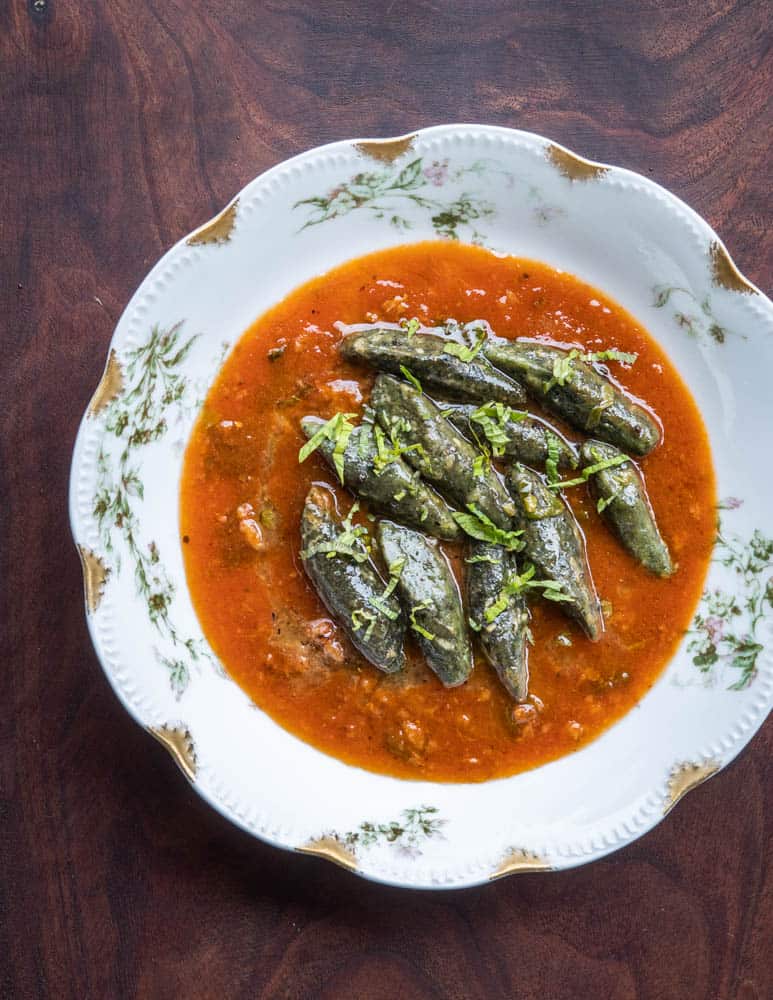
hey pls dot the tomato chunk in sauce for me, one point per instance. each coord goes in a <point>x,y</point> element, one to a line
<point>243,491</point>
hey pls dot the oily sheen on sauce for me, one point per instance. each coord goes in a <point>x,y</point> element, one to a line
<point>243,490</point>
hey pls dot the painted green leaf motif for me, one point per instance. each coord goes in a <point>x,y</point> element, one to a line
<point>154,392</point>
<point>391,194</point>
<point>406,835</point>
<point>705,324</point>
<point>410,176</point>
<point>724,631</point>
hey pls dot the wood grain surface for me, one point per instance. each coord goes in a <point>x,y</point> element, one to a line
<point>124,124</point>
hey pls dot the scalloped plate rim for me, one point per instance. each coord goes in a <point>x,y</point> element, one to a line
<point>347,145</point>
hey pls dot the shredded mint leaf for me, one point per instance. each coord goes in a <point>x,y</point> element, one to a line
<point>594,417</point>
<point>362,440</point>
<point>419,628</point>
<point>466,354</point>
<point>478,525</point>
<point>386,455</point>
<point>492,418</point>
<point>352,543</point>
<point>411,378</point>
<point>519,584</point>
<point>554,453</point>
<point>480,465</point>
<point>622,356</point>
<point>362,616</point>
<point>563,367</point>
<point>551,594</point>
<point>411,326</point>
<point>483,557</point>
<point>482,462</point>
<point>590,470</point>
<point>604,502</point>
<point>384,609</point>
<point>395,569</point>
<point>338,429</point>
<point>474,625</point>
<point>493,611</point>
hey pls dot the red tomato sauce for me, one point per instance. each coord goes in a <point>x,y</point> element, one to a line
<point>243,490</point>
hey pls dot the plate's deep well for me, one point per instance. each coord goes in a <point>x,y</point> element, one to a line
<point>512,192</point>
<point>265,621</point>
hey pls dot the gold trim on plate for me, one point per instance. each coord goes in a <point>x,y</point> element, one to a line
<point>331,849</point>
<point>217,230</point>
<point>684,777</point>
<point>520,860</point>
<point>386,150</point>
<point>110,385</point>
<point>725,273</point>
<point>575,167</point>
<point>179,742</point>
<point>95,575</point>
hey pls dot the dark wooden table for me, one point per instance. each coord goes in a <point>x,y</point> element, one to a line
<point>124,124</point>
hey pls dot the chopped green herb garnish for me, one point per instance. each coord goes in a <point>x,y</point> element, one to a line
<point>415,625</point>
<point>423,515</point>
<point>378,604</point>
<point>362,616</point>
<point>474,625</point>
<point>518,584</point>
<point>594,417</point>
<point>563,367</point>
<point>482,462</point>
<point>554,453</point>
<point>400,495</point>
<point>395,569</point>
<point>350,543</point>
<point>492,419</point>
<point>411,378</point>
<point>480,465</point>
<point>411,326</point>
<point>483,557</point>
<point>604,502</point>
<point>386,455</point>
<point>493,611</point>
<point>590,470</point>
<point>478,525</point>
<point>338,430</point>
<point>466,354</point>
<point>341,547</point>
<point>622,356</point>
<point>363,440</point>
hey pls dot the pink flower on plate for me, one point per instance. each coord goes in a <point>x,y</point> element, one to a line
<point>437,173</point>
<point>715,629</point>
<point>732,503</point>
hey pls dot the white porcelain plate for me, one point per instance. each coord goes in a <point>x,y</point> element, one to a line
<point>514,192</point>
